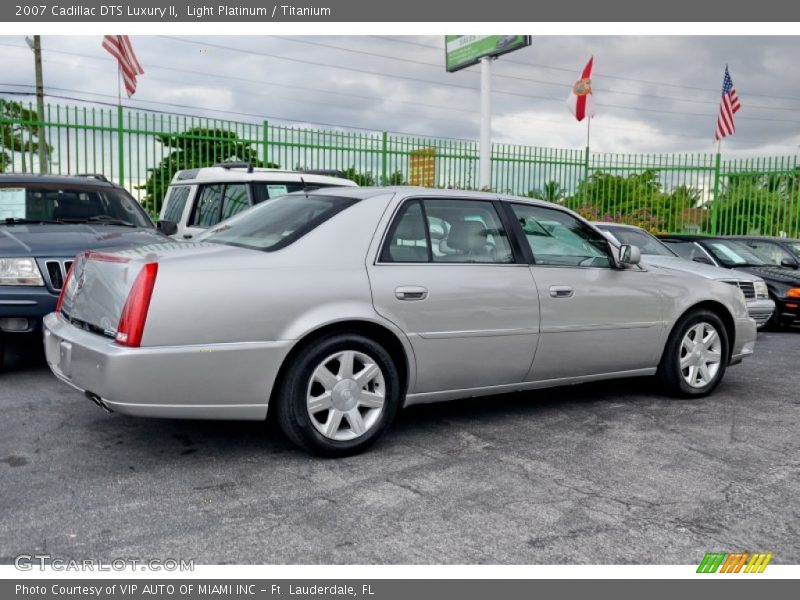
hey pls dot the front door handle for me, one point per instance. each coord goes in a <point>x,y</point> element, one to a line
<point>411,292</point>
<point>187,236</point>
<point>561,291</point>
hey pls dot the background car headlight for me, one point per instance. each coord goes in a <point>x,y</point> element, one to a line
<point>19,271</point>
<point>761,289</point>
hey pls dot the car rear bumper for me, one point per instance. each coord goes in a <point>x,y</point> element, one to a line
<point>745,341</point>
<point>218,381</point>
<point>760,310</point>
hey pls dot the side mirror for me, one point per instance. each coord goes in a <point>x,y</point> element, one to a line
<point>703,259</point>
<point>629,255</point>
<point>167,227</point>
<point>789,263</point>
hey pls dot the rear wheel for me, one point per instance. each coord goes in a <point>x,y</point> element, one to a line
<point>339,395</point>
<point>696,355</point>
<point>2,349</point>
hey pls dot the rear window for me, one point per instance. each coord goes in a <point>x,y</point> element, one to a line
<point>276,224</point>
<point>69,204</point>
<point>176,203</point>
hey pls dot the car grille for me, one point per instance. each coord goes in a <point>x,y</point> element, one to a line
<point>747,287</point>
<point>57,272</point>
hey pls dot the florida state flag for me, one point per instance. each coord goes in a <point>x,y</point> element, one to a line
<point>579,100</point>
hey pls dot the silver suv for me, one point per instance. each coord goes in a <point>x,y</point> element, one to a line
<point>200,198</point>
<point>655,252</point>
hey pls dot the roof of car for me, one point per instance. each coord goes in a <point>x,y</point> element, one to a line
<point>81,180</point>
<point>612,224</point>
<point>364,193</point>
<point>687,237</point>
<point>244,173</point>
<point>760,238</point>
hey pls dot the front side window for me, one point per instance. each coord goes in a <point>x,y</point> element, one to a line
<point>276,224</point>
<point>733,254</point>
<point>646,243</point>
<point>447,231</point>
<point>176,203</point>
<point>770,252</point>
<point>557,238</point>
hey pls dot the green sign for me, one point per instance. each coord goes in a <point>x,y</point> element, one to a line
<point>466,50</point>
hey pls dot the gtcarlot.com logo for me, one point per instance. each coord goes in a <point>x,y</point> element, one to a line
<point>27,562</point>
<point>734,562</point>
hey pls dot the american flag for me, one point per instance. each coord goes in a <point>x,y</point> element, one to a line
<point>119,46</point>
<point>728,106</point>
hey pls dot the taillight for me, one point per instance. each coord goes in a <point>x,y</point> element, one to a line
<point>134,314</point>
<point>64,285</point>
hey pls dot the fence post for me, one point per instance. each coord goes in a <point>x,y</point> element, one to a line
<point>120,146</point>
<point>265,142</point>
<point>716,194</point>
<point>384,158</point>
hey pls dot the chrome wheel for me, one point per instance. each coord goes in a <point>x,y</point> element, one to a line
<point>700,355</point>
<point>345,395</point>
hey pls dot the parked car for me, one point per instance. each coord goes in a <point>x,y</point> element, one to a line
<point>655,252</point>
<point>336,307</point>
<point>777,251</point>
<point>200,198</point>
<point>783,283</point>
<point>45,220</point>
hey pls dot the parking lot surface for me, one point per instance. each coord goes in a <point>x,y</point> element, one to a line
<point>597,473</point>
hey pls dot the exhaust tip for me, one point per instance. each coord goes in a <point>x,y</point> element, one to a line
<point>98,401</point>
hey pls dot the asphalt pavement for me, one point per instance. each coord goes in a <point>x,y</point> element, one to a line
<point>608,473</point>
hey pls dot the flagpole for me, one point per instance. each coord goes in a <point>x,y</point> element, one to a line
<point>588,130</point>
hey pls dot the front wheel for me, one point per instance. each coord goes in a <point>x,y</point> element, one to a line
<point>339,395</point>
<point>696,355</point>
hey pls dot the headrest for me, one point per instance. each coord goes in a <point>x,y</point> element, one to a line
<point>467,236</point>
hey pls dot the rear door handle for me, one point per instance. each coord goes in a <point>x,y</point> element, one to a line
<point>411,292</point>
<point>561,291</point>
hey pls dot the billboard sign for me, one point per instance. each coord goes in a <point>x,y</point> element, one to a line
<point>463,51</point>
<point>422,167</point>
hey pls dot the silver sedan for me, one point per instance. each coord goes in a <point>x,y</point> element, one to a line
<point>337,307</point>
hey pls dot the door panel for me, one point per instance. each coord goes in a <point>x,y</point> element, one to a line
<point>447,277</point>
<point>474,326</point>
<point>612,321</point>
<point>595,318</point>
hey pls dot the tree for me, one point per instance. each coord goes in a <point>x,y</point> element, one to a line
<point>552,192</point>
<point>19,134</point>
<point>636,199</point>
<point>192,149</point>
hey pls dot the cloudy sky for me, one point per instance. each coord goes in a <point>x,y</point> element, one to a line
<point>653,94</point>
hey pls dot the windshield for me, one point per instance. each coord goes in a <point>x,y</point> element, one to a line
<point>733,254</point>
<point>59,203</point>
<point>646,243</point>
<point>276,224</point>
<point>795,247</point>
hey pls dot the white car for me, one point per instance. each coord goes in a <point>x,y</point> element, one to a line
<point>657,253</point>
<point>200,198</point>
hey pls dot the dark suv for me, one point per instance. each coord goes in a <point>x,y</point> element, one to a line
<point>783,282</point>
<point>45,220</point>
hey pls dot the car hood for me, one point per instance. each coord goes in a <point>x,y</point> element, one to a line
<point>48,240</point>
<point>774,274</point>
<point>690,266</point>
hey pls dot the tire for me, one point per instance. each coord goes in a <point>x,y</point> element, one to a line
<point>704,364</point>
<point>331,409</point>
<point>2,350</point>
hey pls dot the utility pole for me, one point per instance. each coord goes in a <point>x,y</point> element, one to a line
<point>42,137</point>
<point>485,149</point>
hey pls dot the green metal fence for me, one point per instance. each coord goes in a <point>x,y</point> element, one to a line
<point>662,192</point>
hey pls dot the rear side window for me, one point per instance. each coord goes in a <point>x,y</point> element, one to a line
<point>276,224</point>
<point>447,231</point>
<point>234,200</point>
<point>269,190</point>
<point>176,203</point>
